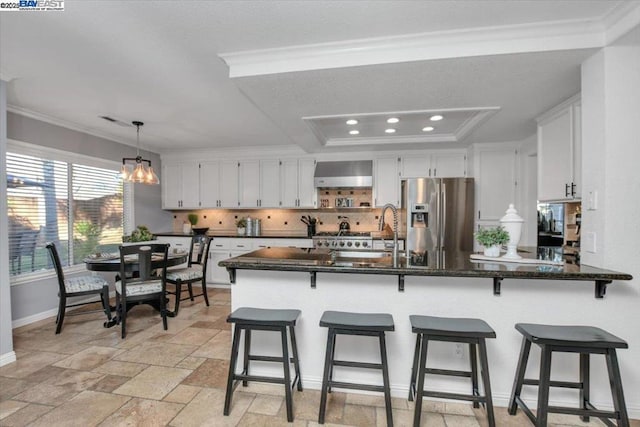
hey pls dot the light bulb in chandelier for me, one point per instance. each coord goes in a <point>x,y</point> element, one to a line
<point>143,172</point>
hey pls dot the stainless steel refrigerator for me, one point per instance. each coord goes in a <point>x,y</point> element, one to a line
<point>439,215</point>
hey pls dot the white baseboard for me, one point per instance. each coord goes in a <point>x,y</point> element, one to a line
<point>7,358</point>
<point>48,313</point>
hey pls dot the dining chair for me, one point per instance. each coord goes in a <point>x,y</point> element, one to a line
<point>148,286</point>
<point>196,271</point>
<point>77,287</point>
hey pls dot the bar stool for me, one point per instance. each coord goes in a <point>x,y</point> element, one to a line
<point>367,324</point>
<point>585,340</point>
<point>471,331</point>
<point>249,319</point>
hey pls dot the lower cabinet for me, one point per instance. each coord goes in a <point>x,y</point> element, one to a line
<point>176,242</point>
<point>223,248</point>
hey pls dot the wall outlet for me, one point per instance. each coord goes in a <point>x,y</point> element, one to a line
<point>459,351</point>
<point>592,200</point>
<point>589,242</point>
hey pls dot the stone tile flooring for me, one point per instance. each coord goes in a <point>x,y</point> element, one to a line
<point>88,376</point>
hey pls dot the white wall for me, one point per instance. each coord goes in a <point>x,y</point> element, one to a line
<point>6,340</point>
<point>611,149</point>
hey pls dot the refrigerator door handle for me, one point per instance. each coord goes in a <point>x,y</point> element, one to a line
<point>443,213</point>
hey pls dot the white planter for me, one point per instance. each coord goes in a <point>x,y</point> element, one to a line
<point>241,231</point>
<point>493,251</point>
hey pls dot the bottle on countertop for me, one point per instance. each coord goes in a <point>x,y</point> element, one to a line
<point>257,227</point>
<point>249,228</point>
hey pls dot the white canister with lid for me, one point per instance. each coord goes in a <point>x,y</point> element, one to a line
<point>512,222</point>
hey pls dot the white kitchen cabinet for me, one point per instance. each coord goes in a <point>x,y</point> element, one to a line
<point>560,152</point>
<point>222,248</point>
<point>181,186</point>
<point>448,165</point>
<point>259,183</point>
<point>228,184</point>
<point>296,183</point>
<point>386,181</point>
<point>249,183</point>
<point>269,184</point>
<point>495,179</point>
<point>445,164</point>
<point>181,243</point>
<point>261,243</point>
<point>200,185</point>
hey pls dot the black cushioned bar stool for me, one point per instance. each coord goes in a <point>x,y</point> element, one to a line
<point>367,324</point>
<point>470,331</point>
<point>258,319</point>
<point>585,340</point>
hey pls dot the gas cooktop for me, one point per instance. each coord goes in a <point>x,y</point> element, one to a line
<point>339,234</point>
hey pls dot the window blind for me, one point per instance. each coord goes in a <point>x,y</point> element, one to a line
<point>78,207</point>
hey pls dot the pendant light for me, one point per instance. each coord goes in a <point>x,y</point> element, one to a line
<point>141,174</point>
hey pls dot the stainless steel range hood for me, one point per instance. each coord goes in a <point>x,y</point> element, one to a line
<point>345,174</point>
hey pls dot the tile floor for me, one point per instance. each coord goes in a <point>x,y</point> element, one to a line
<point>88,376</point>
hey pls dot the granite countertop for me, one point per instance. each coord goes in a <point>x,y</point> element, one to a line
<point>233,234</point>
<point>456,264</point>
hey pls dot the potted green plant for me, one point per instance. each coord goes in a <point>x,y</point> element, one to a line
<point>140,234</point>
<point>241,225</point>
<point>188,226</point>
<point>492,238</point>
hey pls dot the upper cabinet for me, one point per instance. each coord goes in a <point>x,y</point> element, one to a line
<point>445,164</point>
<point>495,178</point>
<point>559,152</point>
<point>386,181</point>
<point>219,184</point>
<point>181,183</point>
<point>296,183</point>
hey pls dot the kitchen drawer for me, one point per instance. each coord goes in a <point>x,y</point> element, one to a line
<point>245,245</point>
<point>261,243</point>
<point>220,244</point>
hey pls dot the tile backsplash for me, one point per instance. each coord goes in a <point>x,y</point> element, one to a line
<point>284,220</point>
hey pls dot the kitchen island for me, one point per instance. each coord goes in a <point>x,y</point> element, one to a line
<point>502,294</point>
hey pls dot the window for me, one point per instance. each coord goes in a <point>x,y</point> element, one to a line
<point>75,204</point>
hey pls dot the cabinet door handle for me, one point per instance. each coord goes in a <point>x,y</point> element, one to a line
<point>566,190</point>
<point>573,189</point>
<point>435,172</point>
<point>429,171</point>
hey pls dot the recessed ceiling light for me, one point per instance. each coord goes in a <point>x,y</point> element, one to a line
<point>427,129</point>
<point>354,132</point>
<point>436,117</point>
<point>390,130</point>
<point>352,122</point>
<point>393,120</point>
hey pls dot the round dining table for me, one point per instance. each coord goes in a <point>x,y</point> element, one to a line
<point>111,262</point>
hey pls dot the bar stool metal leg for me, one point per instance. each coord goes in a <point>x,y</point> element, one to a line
<point>616,387</point>
<point>414,367</point>
<point>287,374</point>
<point>484,371</point>
<point>420,390</point>
<point>328,366</point>
<point>584,382</point>
<point>247,350</point>
<point>519,379</point>
<point>473,358</point>
<point>232,366</point>
<point>385,379</point>
<point>296,361</point>
<point>543,388</point>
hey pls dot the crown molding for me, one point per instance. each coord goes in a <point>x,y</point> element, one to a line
<point>396,140</point>
<point>621,20</point>
<point>508,39</point>
<point>69,125</point>
<point>231,153</point>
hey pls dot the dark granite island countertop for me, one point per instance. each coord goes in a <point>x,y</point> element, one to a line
<point>450,264</point>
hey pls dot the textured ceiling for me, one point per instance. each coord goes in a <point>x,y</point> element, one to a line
<point>158,62</point>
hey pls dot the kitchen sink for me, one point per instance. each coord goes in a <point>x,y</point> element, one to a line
<point>362,254</point>
<point>361,258</point>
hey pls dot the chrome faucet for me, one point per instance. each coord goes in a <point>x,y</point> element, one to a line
<point>395,229</point>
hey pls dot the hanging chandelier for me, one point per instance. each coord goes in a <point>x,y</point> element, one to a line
<point>139,174</point>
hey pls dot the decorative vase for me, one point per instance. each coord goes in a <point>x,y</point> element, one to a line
<point>492,251</point>
<point>186,228</point>
<point>512,222</point>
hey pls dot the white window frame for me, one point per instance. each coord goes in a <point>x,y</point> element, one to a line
<point>70,158</point>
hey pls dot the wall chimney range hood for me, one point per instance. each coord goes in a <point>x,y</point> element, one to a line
<point>344,174</point>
